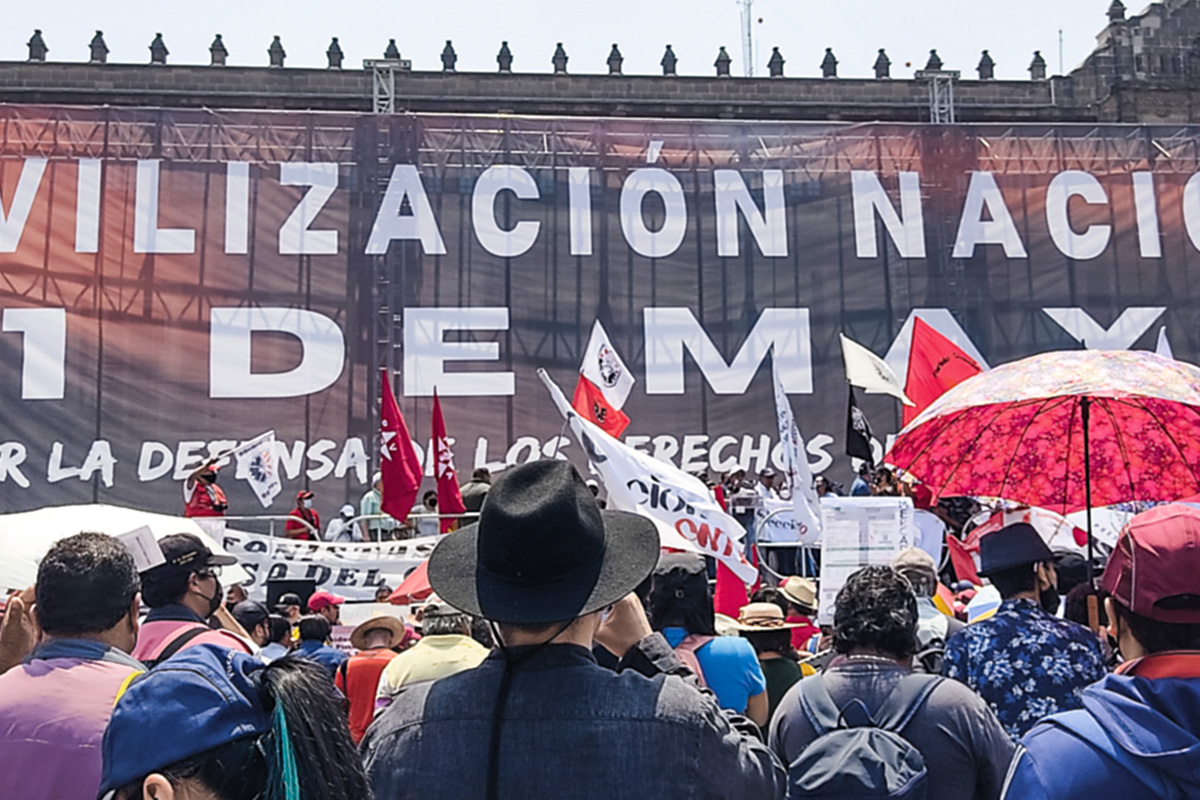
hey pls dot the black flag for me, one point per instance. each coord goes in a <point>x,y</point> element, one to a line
<point>858,433</point>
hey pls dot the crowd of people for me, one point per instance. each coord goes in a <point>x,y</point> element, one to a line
<point>564,655</point>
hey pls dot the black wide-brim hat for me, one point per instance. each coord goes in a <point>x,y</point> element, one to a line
<point>542,551</point>
<point>1012,546</point>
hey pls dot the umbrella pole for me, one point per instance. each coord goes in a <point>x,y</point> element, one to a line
<point>1085,408</point>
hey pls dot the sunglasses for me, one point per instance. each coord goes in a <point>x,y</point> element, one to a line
<point>209,572</point>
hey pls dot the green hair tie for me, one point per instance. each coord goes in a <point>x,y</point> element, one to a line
<point>289,775</point>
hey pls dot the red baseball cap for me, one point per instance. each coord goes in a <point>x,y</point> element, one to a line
<point>323,599</point>
<point>1153,569</point>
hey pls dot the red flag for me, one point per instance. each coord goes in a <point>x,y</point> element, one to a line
<point>398,461</point>
<point>449,496</point>
<point>591,404</point>
<point>935,365</point>
<point>964,564</point>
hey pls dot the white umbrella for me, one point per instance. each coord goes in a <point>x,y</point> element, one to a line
<point>26,537</point>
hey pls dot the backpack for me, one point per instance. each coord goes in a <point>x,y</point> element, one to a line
<point>856,756</point>
<point>686,650</point>
<point>930,657</point>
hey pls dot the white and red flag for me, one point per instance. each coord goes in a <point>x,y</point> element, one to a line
<point>449,496</point>
<point>682,508</point>
<point>399,465</point>
<point>604,385</point>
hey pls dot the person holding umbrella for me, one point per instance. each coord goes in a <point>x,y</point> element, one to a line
<point>1023,661</point>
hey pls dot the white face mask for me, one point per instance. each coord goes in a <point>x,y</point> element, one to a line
<point>308,503</point>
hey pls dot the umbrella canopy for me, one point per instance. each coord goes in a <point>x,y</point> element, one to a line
<point>1058,532</point>
<point>1017,432</point>
<point>415,587</point>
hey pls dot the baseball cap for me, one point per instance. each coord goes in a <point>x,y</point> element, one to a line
<point>1152,570</point>
<point>1012,546</point>
<point>323,599</point>
<point>347,510</point>
<point>186,552</point>
<point>288,599</point>
<point>250,614</point>
<point>767,473</point>
<point>197,700</point>
<point>915,563</point>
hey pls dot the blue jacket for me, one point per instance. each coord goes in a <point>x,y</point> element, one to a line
<point>1154,723</point>
<point>328,657</point>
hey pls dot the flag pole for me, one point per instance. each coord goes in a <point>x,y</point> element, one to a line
<point>1085,408</point>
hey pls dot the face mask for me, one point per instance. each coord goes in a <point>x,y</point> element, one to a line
<point>214,602</point>
<point>308,503</point>
<point>1048,599</point>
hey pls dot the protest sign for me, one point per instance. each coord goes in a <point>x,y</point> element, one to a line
<point>859,532</point>
<point>256,463</point>
<point>354,571</point>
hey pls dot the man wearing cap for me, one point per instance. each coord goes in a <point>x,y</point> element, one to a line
<point>202,496</point>
<point>446,647</point>
<point>183,593</point>
<point>377,526</point>
<point>327,604</point>
<point>340,528</point>
<point>54,705</point>
<point>539,717</point>
<point>303,521</point>
<point>1138,733</point>
<point>255,621</point>
<point>934,628</point>
<point>289,605</point>
<point>1024,661</point>
<point>358,677</point>
<point>315,632</point>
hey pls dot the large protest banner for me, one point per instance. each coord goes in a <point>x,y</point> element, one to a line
<point>174,282</point>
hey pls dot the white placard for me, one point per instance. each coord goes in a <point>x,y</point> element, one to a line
<point>859,532</point>
<point>144,548</point>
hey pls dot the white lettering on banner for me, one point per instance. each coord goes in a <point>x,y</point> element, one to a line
<point>295,238</point>
<point>231,334</point>
<point>237,208</point>
<point>1079,246</point>
<point>147,236</point>
<point>12,221</point>
<point>579,179</point>
<point>1128,328</point>
<point>99,459</point>
<point>667,239</point>
<point>426,352</point>
<point>907,229</point>
<point>87,205</point>
<point>44,360</point>
<point>354,571</point>
<point>496,240</point>
<point>1146,203</point>
<point>417,225</point>
<point>782,331</point>
<point>769,227</point>
<point>154,461</point>
<point>12,456</point>
<point>984,195</point>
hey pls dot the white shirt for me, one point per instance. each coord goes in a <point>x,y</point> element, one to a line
<point>339,530</point>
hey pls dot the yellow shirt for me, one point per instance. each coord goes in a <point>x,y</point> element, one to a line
<point>429,659</point>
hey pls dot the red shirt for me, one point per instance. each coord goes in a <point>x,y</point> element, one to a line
<point>296,530</point>
<point>804,633</point>
<point>362,673</point>
<point>204,499</point>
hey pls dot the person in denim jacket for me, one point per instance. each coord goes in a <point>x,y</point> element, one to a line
<point>540,718</point>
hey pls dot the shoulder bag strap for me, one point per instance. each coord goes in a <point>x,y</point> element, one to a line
<point>905,700</point>
<point>177,644</point>
<point>818,705</point>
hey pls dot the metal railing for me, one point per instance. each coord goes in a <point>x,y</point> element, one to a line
<point>259,521</point>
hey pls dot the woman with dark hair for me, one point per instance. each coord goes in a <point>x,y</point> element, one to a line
<point>214,724</point>
<point>763,626</point>
<point>682,609</point>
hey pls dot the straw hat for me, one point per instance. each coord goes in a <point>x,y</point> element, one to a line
<point>762,617</point>
<point>358,637</point>
<point>801,591</point>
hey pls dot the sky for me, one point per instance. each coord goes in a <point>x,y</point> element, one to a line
<point>1009,29</point>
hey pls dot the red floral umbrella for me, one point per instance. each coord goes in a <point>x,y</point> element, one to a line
<point>1035,430</point>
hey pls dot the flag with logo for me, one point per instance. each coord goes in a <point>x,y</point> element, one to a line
<point>685,512</point>
<point>604,385</point>
<point>255,461</point>
<point>868,371</point>
<point>805,503</point>
<point>399,465</point>
<point>449,496</point>
<point>935,366</point>
<point>858,432</point>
